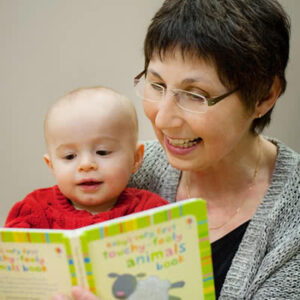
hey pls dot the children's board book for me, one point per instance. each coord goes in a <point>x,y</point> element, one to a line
<point>159,254</point>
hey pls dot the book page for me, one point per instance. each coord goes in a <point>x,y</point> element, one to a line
<point>159,261</point>
<point>33,270</point>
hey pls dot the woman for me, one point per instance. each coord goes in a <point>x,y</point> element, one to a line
<point>213,73</point>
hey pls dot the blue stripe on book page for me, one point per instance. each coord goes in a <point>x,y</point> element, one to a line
<point>47,238</point>
<point>101,231</point>
<point>202,222</point>
<point>207,279</point>
<point>180,211</point>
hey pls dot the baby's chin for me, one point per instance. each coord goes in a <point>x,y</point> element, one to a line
<point>93,206</point>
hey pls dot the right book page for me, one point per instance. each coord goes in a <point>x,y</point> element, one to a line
<point>162,253</point>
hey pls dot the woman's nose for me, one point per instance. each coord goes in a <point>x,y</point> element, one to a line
<point>87,163</point>
<point>168,113</point>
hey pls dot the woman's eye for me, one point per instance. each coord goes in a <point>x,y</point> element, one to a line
<point>102,152</point>
<point>70,156</point>
<point>195,97</point>
<point>157,87</point>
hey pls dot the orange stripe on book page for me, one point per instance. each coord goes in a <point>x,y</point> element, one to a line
<point>207,257</point>
<point>105,231</point>
<point>43,238</point>
<point>28,237</point>
<point>121,227</point>
<point>204,263</point>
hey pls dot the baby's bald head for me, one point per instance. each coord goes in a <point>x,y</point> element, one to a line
<point>96,103</point>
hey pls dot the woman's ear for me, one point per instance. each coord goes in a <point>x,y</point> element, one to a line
<point>138,157</point>
<point>48,161</point>
<point>263,106</point>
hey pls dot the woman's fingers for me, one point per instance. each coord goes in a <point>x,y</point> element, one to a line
<point>80,293</point>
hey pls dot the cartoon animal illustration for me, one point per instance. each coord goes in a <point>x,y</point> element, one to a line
<point>130,287</point>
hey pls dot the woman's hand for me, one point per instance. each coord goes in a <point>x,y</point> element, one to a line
<point>78,293</point>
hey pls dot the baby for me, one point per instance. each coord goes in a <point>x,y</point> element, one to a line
<point>91,139</point>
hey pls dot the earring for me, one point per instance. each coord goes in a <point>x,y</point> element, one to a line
<point>259,116</point>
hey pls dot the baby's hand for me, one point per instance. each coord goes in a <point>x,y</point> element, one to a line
<point>78,293</point>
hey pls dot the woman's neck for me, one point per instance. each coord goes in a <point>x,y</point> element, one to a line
<point>233,173</point>
<point>234,187</point>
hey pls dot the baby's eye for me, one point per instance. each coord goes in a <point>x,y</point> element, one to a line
<point>102,152</point>
<point>69,156</point>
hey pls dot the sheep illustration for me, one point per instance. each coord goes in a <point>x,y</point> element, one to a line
<point>130,287</point>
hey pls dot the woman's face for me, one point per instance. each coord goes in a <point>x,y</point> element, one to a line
<point>195,141</point>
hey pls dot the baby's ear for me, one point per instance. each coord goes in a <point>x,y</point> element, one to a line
<point>48,161</point>
<point>138,157</point>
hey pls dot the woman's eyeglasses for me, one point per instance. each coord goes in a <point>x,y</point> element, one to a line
<point>188,101</point>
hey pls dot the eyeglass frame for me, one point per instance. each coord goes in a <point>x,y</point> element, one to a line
<point>210,101</point>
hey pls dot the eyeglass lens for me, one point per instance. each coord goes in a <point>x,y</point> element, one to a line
<point>186,100</point>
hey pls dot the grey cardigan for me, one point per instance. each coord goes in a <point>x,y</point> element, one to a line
<point>267,263</point>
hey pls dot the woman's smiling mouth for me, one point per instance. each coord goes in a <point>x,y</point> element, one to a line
<point>181,146</point>
<point>183,143</point>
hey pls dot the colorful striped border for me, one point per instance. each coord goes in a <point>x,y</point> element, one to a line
<point>193,207</point>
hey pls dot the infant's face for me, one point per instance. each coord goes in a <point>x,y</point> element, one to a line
<point>92,154</point>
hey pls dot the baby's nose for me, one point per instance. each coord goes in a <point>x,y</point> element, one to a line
<point>87,164</point>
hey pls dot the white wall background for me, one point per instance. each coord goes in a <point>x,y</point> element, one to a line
<point>49,47</point>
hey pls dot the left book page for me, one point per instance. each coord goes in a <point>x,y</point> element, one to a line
<point>35,264</point>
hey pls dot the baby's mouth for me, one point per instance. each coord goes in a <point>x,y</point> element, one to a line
<point>184,143</point>
<point>89,183</point>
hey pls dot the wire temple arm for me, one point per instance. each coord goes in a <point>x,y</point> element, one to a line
<point>213,101</point>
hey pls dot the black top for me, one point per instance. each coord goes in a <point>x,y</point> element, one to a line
<point>223,251</point>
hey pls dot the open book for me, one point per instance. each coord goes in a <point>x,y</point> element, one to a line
<point>161,253</point>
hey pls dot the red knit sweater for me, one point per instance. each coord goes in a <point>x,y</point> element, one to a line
<point>49,208</point>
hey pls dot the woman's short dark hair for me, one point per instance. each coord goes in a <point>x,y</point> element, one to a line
<point>247,41</point>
